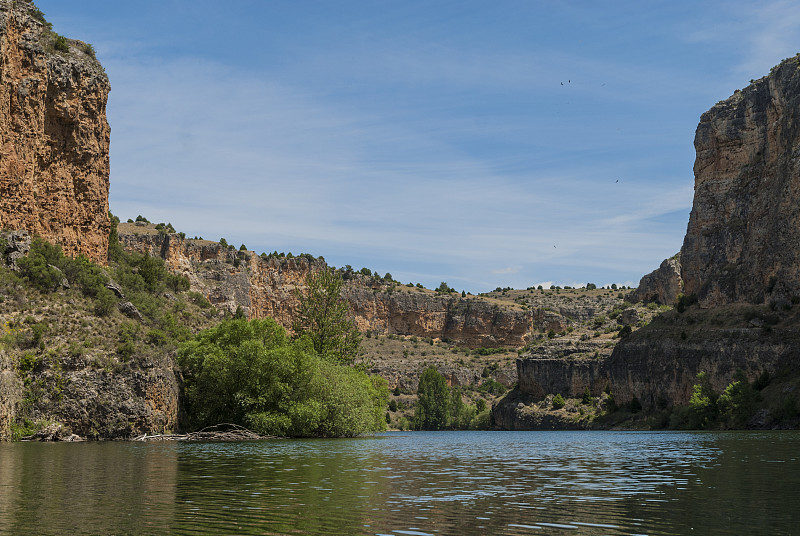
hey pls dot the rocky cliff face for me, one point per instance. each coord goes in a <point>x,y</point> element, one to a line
<point>267,287</point>
<point>54,136</point>
<point>741,251</point>
<point>743,239</point>
<point>470,321</point>
<point>663,285</point>
<point>658,365</point>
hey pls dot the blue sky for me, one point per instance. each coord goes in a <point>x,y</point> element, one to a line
<point>485,144</point>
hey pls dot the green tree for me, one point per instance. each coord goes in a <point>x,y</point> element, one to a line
<point>558,401</point>
<point>326,319</point>
<point>587,397</point>
<point>738,401</point>
<point>434,401</point>
<point>703,403</point>
<point>252,374</point>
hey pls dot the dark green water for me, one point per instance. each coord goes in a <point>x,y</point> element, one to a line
<point>457,483</point>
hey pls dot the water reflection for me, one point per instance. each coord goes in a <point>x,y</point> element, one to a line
<point>93,488</point>
<point>412,484</point>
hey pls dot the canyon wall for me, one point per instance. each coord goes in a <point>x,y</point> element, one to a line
<point>742,243</point>
<point>54,136</point>
<point>741,251</point>
<point>267,286</point>
<point>658,365</point>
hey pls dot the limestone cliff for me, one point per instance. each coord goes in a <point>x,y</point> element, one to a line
<point>740,258</point>
<point>266,286</point>
<point>743,239</point>
<point>54,136</point>
<point>663,285</point>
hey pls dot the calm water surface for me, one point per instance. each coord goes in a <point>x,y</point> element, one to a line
<point>457,483</point>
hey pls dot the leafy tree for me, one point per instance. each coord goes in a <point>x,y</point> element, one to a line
<point>252,374</point>
<point>443,288</point>
<point>738,401</point>
<point>325,318</point>
<point>434,401</point>
<point>703,403</point>
<point>558,401</point>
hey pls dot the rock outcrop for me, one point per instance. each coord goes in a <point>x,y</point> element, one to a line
<point>743,239</point>
<point>658,365</point>
<point>54,136</point>
<point>267,286</point>
<point>663,285</point>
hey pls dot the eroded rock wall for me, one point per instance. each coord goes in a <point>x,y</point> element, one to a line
<point>54,136</point>
<point>659,366</point>
<point>743,239</point>
<point>663,285</point>
<point>268,287</point>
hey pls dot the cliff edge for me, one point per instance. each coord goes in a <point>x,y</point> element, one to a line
<point>54,136</point>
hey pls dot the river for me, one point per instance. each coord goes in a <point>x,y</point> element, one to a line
<point>412,484</point>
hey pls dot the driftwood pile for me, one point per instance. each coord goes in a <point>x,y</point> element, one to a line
<point>219,432</point>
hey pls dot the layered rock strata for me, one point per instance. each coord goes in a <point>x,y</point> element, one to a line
<point>54,136</point>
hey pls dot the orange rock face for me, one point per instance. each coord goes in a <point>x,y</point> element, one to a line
<point>54,136</point>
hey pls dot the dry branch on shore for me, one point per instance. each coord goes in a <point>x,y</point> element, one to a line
<point>219,432</point>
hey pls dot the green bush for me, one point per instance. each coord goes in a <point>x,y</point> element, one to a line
<point>105,302</point>
<point>493,387</point>
<point>61,44</point>
<point>89,50</point>
<point>558,401</point>
<point>42,265</point>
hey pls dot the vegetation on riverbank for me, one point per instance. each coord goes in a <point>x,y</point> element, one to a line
<point>66,319</point>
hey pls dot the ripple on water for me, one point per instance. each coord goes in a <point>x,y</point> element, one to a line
<point>412,484</point>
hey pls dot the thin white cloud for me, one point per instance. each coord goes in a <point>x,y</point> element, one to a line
<point>507,270</point>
